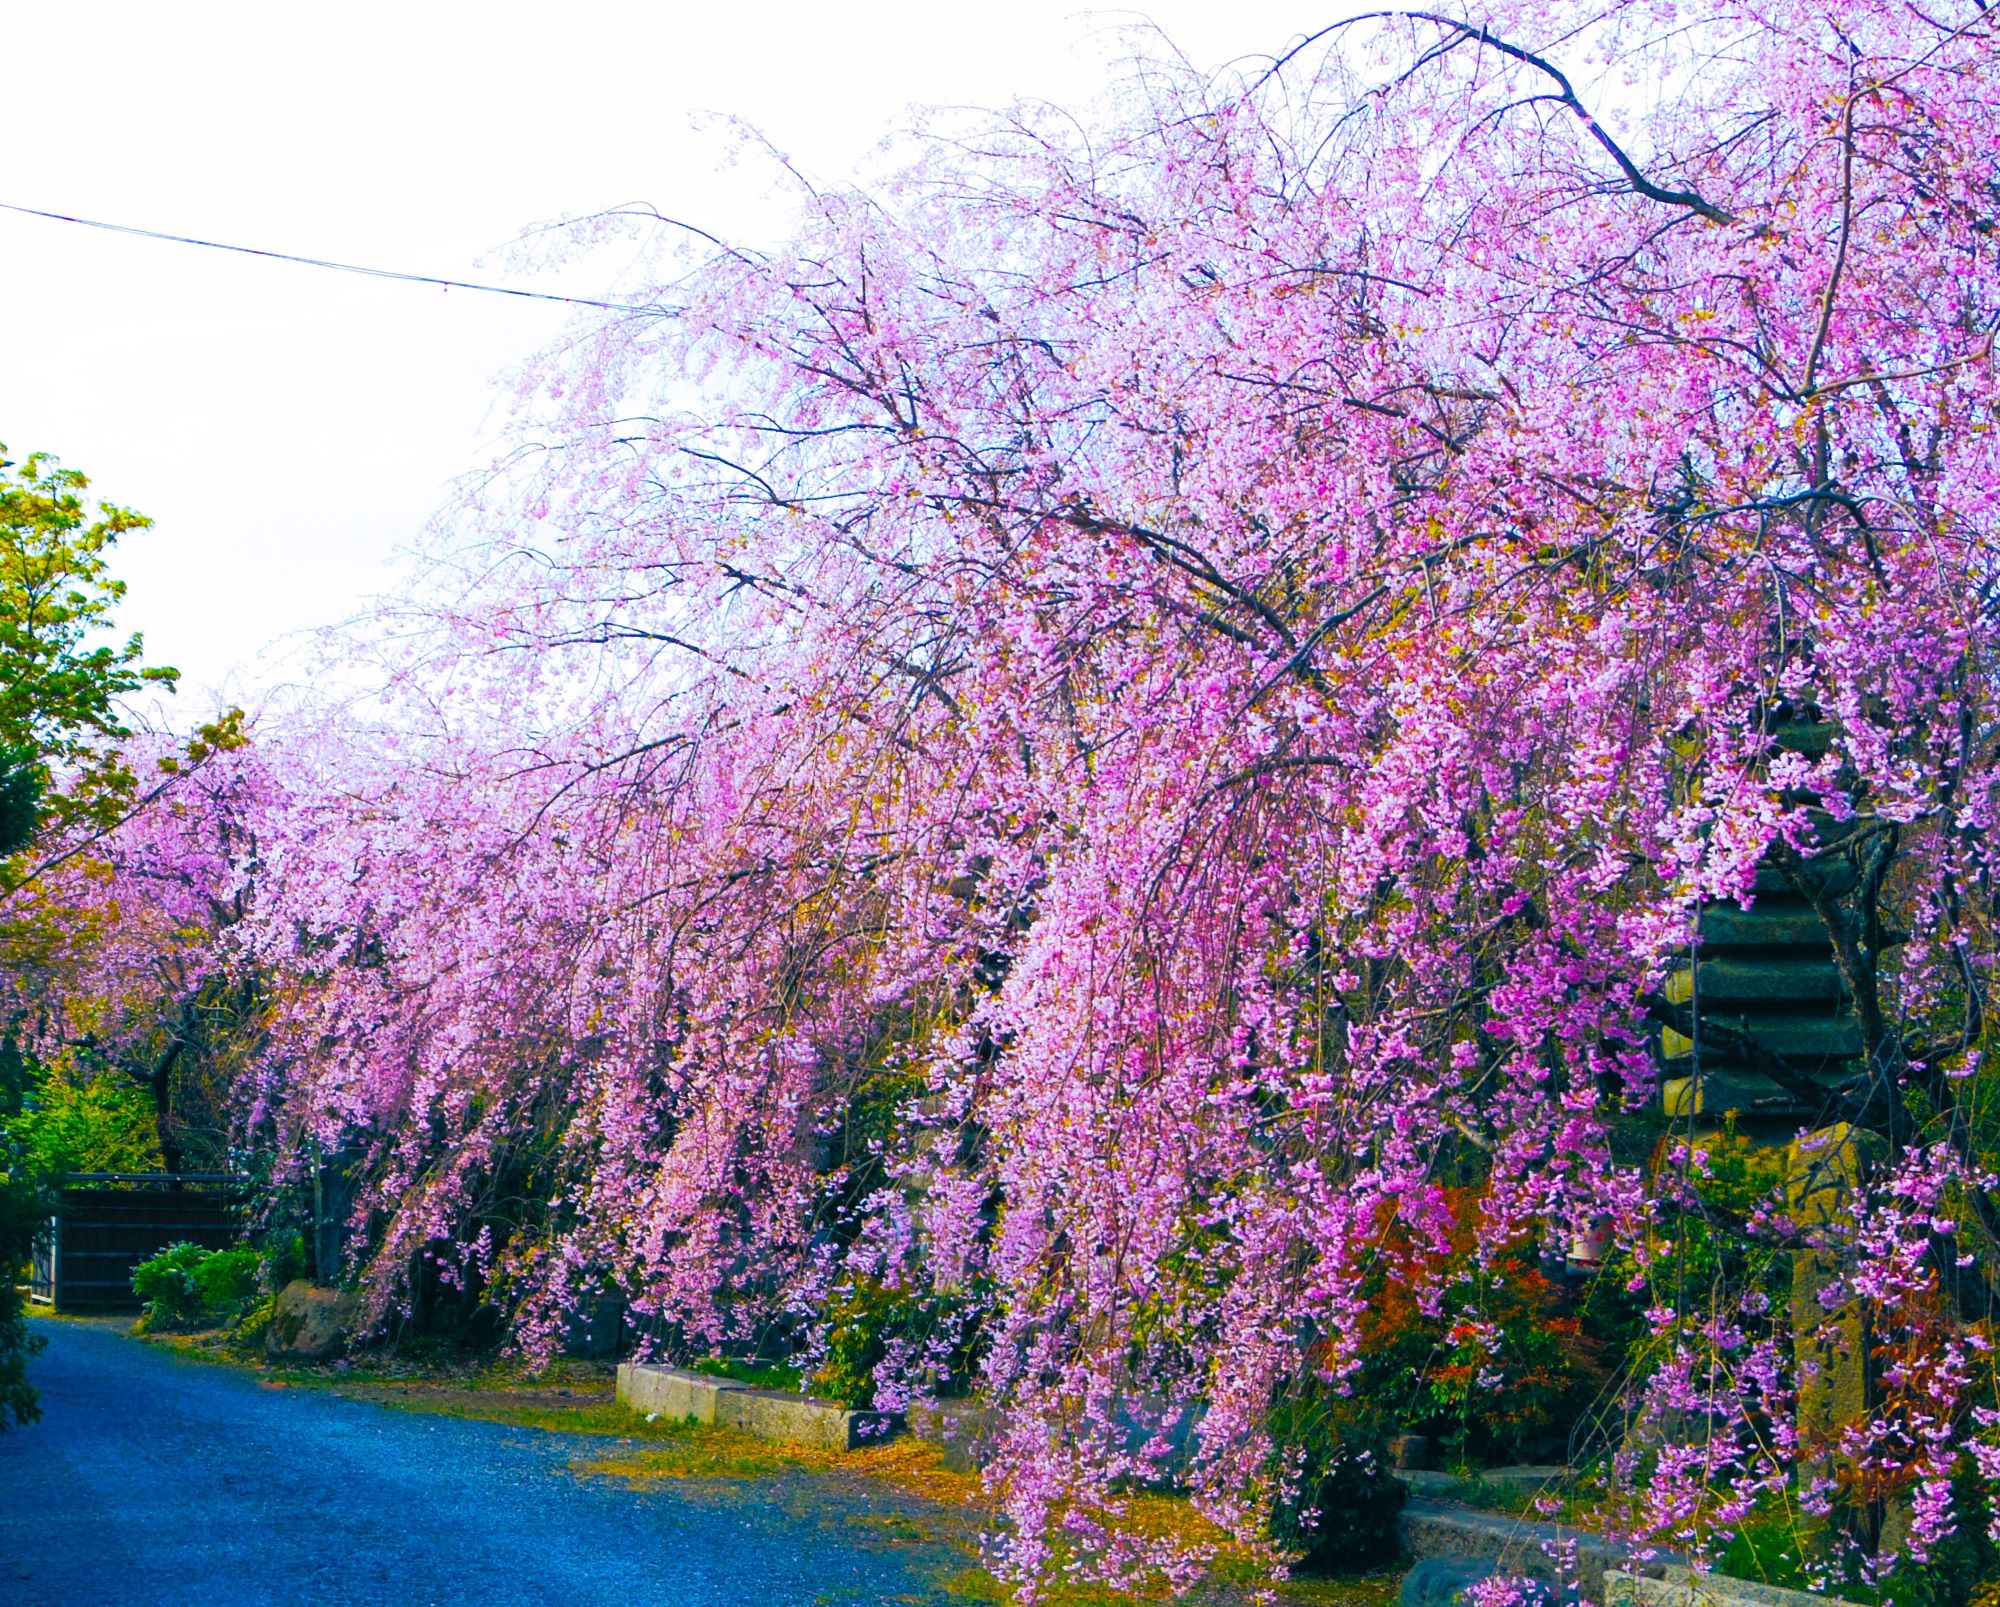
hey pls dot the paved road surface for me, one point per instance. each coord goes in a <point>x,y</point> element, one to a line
<point>153,1481</point>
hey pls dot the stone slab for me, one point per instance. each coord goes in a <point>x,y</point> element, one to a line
<point>1765,925</point>
<point>800,1420</point>
<point>1798,1038</point>
<point>1721,1089</point>
<point>769,1414</point>
<point>1830,876</point>
<point>1470,1488</point>
<point>673,1392</point>
<point>1683,1587</point>
<point>1431,1528</point>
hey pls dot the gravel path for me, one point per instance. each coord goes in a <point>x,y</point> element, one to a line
<point>155,1481</point>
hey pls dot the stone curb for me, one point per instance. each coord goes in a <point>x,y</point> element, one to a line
<point>1516,1546</point>
<point>1683,1587</point>
<point>769,1414</point>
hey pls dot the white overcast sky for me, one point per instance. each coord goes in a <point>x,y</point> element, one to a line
<point>291,430</point>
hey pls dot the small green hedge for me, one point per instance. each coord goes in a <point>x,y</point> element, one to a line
<point>185,1286</point>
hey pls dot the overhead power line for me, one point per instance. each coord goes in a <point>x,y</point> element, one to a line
<point>322,262</point>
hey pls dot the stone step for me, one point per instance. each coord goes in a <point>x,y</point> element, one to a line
<point>1756,982</point>
<point>1802,1039</point>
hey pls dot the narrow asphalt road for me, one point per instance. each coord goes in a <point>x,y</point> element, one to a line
<point>154,1481</point>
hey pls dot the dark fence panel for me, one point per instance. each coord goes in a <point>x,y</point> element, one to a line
<point>107,1223</point>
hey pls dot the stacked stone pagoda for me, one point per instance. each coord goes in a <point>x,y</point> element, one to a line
<point>1764,979</point>
<point>1762,983</point>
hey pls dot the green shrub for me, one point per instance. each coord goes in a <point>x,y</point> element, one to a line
<point>284,1262</point>
<point>185,1286</point>
<point>168,1286</point>
<point>22,1211</point>
<point>863,1319</point>
<point>758,1375</point>
<point>247,1337</point>
<point>227,1279</point>
<point>1342,1514</point>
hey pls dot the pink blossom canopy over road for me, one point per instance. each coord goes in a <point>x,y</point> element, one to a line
<point>1217,651</point>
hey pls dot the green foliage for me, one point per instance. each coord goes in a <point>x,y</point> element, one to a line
<point>58,692</point>
<point>247,1337</point>
<point>18,1074</point>
<point>284,1262</point>
<point>1342,1513</point>
<point>20,798</point>
<point>758,1375</point>
<point>185,1286</point>
<point>170,1288</point>
<point>1504,1365</point>
<point>227,1280</point>
<point>99,1122</point>
<point>1963,1568</point>
<point>23,1209</point>
<point>61,682</point>
<point>866,1315</point>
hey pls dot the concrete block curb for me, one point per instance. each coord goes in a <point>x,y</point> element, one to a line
<point>1516,1546</point>
<point>1682,1587</point>
<point>769,1414</point>
<point>671,1392</point>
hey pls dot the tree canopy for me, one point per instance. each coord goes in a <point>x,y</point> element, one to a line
<point>1101,768</point>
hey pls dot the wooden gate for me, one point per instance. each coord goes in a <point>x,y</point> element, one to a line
<point>106,1223</point>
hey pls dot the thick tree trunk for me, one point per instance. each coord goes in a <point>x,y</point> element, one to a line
<point>160,1085</point>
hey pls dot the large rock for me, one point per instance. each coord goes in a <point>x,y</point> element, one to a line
<point>311,1323</point>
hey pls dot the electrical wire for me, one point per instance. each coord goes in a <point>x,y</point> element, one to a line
<point>321,262</point>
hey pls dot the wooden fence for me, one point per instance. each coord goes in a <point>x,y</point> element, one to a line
<point>106,1223</point>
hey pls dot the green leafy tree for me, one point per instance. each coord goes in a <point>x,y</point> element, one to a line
<point>21,1212</point>
<point>60,687</point>
<point>64,676</point>
<point>62,682</point>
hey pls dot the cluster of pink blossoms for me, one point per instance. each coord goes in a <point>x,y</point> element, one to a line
<point>1071,741</point>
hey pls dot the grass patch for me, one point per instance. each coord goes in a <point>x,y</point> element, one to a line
<point>758,1375</point>
<point>694,1456</point>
